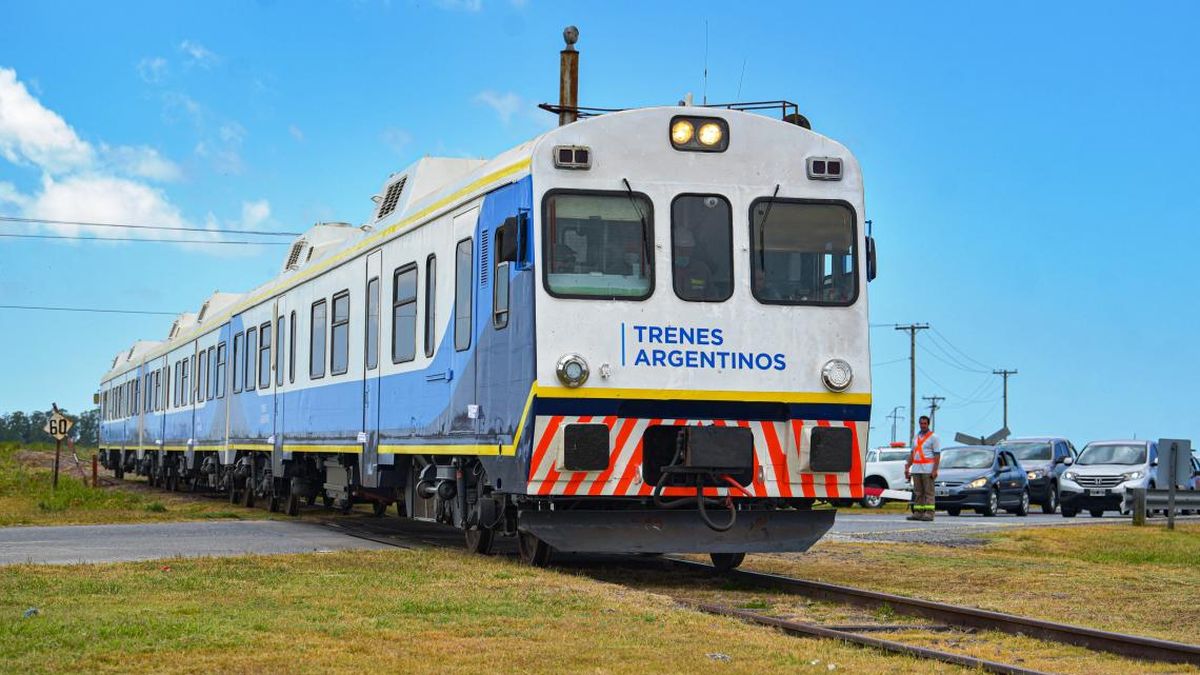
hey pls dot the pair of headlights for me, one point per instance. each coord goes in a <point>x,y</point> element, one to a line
<point>573,371</point>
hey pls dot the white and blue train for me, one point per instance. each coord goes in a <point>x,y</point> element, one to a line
<point>641,331</point>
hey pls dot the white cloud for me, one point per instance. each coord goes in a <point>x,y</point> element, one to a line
<point>102,199</point>
<point>10,195</point>
<point>296,132</point>
<point>153,69</point>
<point>460,5</point>
<point>232,133</point>
<point>506,105</point>
<point>140,161</point>
<point>196,54</point>
<point>29,132</point>
<point>396,139</point>
<point>256,213</point>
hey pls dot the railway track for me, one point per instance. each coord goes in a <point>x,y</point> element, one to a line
<point>1133,646</point>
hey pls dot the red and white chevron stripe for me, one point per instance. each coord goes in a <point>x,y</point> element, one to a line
<point>781,457</point>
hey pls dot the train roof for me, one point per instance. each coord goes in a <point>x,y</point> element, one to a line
<point>424,189</point>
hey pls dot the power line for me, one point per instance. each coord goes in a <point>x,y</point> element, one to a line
<point>965,355</point>
<point>951,363</point>
<point>172,228</point>
<point>94,310</point>
<point>888,363</point>
<point>143,239</point>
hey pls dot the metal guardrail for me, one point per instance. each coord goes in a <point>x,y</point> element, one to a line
<point>1157,500</point>
<point>1171,502</point>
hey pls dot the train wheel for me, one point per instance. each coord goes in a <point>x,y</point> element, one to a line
<point>533,551</point>
<point>479,540</point>
<point>723,562</point>
<point>248,494</point>
<point>233,493</point>
<point>379,508</point>
<point>326,500</point>
<point>274,503</point>
<point>292,504</point>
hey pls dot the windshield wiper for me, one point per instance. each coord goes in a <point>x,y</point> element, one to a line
<point>762,229</point>
<point>642,218</point>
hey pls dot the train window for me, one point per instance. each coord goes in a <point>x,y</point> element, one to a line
<point>238,348</point>
<point>702,248</point>
<point>292,349</point>
<point>250,358</point>
<point>147,390</point>
<point>157,395</point>
<point>183,382</point>
<point>463,269</point>
<point>803,253</point>
<point>316,341</point>
<point>598,245</point>
<point>404,314</point>
<point>279,351</point>
<point>220,370</point>
<point>500,296</point>
<point>339,335</point>
<point>430,303</point>
<point>202,374</point>
<point>211,378</point>
<point>264,356</point>
<point>372,340</point>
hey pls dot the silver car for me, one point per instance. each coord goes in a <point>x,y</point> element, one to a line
<point>1098,480</point>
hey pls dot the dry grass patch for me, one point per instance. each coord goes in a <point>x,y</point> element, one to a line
<point>1114,577</point>
<point>379,611</point>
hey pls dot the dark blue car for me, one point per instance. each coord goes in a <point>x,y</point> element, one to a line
<point>983,478</point>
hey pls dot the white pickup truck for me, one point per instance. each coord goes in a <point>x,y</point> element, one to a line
<point>884,476</point>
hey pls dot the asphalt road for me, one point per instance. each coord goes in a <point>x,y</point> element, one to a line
<point>121,543</point>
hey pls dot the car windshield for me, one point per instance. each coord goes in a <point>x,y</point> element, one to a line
<point>893,455</point>
<point>1029,451</point>
<point>1113,454</point>
<point>967,458</point>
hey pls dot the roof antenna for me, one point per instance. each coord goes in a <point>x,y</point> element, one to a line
<point>740,78</point>
<point>704,96</point>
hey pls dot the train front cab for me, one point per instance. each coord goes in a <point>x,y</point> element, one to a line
<point>698,315</point>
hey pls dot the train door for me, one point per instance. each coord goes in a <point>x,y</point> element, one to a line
<point>465,408</point>
<point>372,284</point>
<point>505,351</point>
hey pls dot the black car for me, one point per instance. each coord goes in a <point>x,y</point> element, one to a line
<point>1044,459</point>
<point>983,478</point>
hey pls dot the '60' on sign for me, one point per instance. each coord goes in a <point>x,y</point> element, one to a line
<point>58,426</point>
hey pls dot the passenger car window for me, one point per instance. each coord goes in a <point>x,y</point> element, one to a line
<point>598,245</point>
<point>251,357</point>
<point>803,253</point>
<point>264,356</point>
<point>404,314</point>
<point>339,339</point>
<point>430,304</point>
<point>316,341</point>
<point>463,285</point>
<point>702,247</point>
<point>373,323</point>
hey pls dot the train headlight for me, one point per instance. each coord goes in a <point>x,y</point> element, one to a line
<point>837,374</point>
<point>710,134</point>
<point>572,370</point>
<point>681,132</point>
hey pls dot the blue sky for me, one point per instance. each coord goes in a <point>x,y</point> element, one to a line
<point>1030,166</point>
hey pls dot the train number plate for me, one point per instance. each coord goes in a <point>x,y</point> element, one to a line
<point>1098,493</point>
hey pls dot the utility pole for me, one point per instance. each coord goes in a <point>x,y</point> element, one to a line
<point>912,329</point>
<point>893,417</point>
<point>1005,373</point>
<point>934,404</point>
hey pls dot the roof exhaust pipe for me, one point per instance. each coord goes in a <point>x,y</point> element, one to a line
<point>568,78</point>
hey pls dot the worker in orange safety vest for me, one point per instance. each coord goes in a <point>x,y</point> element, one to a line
<point>922,470</point>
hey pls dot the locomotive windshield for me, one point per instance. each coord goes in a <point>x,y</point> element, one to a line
<point>597,245</point>
<point>803,253</point>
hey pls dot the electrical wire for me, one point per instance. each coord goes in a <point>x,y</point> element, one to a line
<point>965,355</point>
<point>143,239</point>
<point>952,363</point>
<point>94,310</point>
<point>172,228</point>
<point>888,363</point>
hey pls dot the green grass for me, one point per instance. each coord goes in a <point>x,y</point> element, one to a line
<point>377,611</point>
<point>27,496</point>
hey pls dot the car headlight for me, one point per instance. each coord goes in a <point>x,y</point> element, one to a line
<point>837,374</point>
<point>1132,475</point>
<point>1070,475</point>
<point>1035,474</point>
<point>978,483</point>
<point>572,370</point>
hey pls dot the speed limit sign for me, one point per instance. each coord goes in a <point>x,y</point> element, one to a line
<point>58,426</point>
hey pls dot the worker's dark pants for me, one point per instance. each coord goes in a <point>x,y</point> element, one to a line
<point>923,504</point>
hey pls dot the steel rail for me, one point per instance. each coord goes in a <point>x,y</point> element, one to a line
<point>813,630</point>
<point>1136,646</point>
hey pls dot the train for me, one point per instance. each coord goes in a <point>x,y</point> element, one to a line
<point>643,331</point>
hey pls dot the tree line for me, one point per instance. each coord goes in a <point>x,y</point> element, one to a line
<point>27,427</point>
